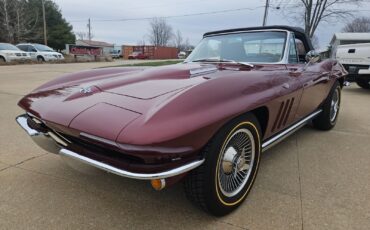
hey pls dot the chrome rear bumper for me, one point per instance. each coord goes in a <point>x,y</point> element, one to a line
<point>54,144</point>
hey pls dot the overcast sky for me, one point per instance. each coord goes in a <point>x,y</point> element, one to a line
<point>130,32</point>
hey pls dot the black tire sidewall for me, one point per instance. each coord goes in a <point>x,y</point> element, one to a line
<point>323,121</point>
<point>363,83</point>
<point>217,203</point>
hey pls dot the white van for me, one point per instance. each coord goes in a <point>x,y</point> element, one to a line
<point>40,52</point>
<point>356,59</point>
<point>9,53</point>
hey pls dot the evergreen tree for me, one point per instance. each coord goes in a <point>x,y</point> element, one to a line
<point>21,21</point>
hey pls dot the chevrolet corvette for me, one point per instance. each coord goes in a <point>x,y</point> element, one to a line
<point>205,121</point>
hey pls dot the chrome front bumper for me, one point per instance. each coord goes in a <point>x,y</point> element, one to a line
<point>54,144</point>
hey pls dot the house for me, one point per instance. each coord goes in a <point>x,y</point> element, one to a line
<point>346,39</point>
<point>107,47</point>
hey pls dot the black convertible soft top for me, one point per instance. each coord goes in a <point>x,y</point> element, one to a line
<point>298,32</point>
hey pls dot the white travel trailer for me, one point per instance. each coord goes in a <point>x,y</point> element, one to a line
<point>356,59</point>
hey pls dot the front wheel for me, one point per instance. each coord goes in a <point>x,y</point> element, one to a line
<point>327,119</point>
<point>232,158</point>
<point>40,59</point>
<point>363,83</point>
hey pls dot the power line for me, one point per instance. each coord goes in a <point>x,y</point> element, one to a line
<point>172,16</point>
<point>266,12</point>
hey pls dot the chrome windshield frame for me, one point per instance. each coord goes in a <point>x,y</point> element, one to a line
<point>285,58</point>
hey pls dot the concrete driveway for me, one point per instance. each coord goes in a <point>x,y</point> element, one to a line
<point>312,180</point>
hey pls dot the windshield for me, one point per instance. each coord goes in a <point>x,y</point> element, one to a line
<point>8,47</point>
<point>43,48</point>
<point>265,47</point>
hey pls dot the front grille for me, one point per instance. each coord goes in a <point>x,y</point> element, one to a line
<point>100,152</point>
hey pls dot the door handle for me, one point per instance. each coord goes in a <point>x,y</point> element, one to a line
<point>295,73</point>
<point>286,86</point>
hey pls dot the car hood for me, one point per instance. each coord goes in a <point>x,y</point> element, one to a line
<point>85,99</point>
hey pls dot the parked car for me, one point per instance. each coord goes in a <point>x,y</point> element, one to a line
<point>138,55</point>
<point>40,52</point>
<point>116,54</point>
<point>9,52</point>
<point>181,55</point>
<point>205,121</point>
<point>356,59</point>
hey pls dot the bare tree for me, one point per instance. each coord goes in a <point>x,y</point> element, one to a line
<point>80,35</point>
<point>141,42</point>
<point>315,42</point>
<point>359,25</point>
<point>83,35</point>
<point>5,12</point>
<point>160,32</point>
<point>313,12</point>
<point>178,40</point>
<point>17,21</point>
<point>187,45</point>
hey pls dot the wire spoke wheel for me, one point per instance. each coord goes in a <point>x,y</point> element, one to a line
<point>334,108</point>
<point>237,158</point>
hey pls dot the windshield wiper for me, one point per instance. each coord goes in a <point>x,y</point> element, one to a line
<point>220,60</point>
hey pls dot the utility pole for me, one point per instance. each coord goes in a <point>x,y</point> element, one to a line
<point>89,27</point>
<point>266,12</point>
<point>44,17</point>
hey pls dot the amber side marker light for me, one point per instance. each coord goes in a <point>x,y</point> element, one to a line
<point>158,184</point>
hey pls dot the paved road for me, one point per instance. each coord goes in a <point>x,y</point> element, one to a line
<point>312,180</point>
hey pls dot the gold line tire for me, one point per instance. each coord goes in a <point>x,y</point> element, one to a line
<point>227,156</point>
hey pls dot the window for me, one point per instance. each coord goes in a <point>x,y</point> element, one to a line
<point>22,47</point>
<point>293,55</point>
<point>5,46</point>
<point>43,48</point>
<point>31,49</point>
<point>262,47</point>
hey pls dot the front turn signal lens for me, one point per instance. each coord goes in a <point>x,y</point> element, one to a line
<point>158,184</point>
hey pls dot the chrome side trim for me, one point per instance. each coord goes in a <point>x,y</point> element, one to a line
<point>201,71</point>
<point>287,132</point>
<point>124,173</point>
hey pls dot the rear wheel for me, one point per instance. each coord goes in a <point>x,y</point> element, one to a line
<point>330,109</point>
<point>363,83</point>
<point>232,157</point>
<point>2,60</point>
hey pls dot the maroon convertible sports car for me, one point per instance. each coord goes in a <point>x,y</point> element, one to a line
<point>206,120</point>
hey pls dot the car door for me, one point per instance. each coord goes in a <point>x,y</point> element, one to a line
<point>316,82</point>
<point>289,92</point>
<point>32,51</point>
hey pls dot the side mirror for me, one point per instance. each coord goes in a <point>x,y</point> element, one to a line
<point>313,57</point>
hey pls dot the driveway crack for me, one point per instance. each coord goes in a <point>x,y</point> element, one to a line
<point>29,159</point>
